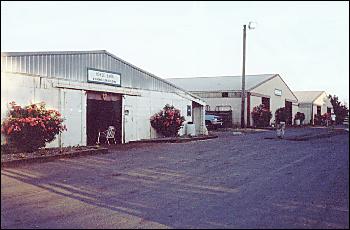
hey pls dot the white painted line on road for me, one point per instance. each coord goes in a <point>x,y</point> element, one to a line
<point>293,163</point>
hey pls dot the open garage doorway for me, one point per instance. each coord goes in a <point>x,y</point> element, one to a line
<point>103,110</point>
<point>288,107</point>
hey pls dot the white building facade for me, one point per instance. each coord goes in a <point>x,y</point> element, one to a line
<point>224,93</point>
<point>312,103</point>
<point>92,90</point>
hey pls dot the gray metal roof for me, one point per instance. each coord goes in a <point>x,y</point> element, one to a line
<point>72,66</point>
<point>221,83</point>
<point>307,96</point>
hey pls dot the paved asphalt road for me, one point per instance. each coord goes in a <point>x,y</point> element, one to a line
<point>243,181</point>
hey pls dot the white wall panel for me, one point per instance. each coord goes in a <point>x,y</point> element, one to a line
<point>71,109</point>
<point>141,108</point>
<point>306,109</point>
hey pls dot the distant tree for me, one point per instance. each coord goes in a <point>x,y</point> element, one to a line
<point>340,111</point>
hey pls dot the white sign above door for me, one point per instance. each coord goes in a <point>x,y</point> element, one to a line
<point>103,77</point>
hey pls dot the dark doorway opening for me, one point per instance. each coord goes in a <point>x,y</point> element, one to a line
<point>103,110</point>
<point>329,110</point>
<point>288,108</point>
<point>319,110</point>
<point>266,102</point>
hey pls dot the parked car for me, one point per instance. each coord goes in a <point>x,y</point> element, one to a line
<point>213,121</point>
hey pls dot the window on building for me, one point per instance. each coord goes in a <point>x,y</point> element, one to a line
<point>224,94</point>
<point>318,110</point>
<point>207,108</point>
<point>189,110</point>
<point>329,110</point>
<point>266,102</point>
<point>223,108</point>
<point>237,94</point>
<point>278,92</point>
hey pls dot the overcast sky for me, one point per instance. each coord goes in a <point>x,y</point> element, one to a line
<point>307,43</point>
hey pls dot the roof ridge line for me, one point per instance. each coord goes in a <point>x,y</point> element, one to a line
<point>223,76</point>
<point>19,53</point>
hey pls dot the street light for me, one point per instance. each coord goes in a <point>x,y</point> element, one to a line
<point>251,26</point>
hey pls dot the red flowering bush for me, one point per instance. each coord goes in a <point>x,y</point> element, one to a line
<point>261,116</point>
<point>168,121</point>
<point>322,119</point>
<point>31,127</point>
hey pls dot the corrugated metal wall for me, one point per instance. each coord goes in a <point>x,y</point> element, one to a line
<point>73,66</point>
<point>216,94</point>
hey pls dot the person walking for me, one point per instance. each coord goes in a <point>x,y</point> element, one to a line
<point>280,120</point>
<point>333,120</point>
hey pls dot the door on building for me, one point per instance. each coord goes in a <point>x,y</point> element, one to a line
<point>103,110</point>
<point>288,108</point>
<point>130,124</point>
<point>266,102</point>
<point>329,110</point>
<point>197,117</point>
<point>319,110</point>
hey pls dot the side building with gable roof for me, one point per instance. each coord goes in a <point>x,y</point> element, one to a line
<point>313,103</point>
<point>223,93</point>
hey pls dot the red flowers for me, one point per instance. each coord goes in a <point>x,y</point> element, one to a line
<point>261,116</point>
<point>31,127</point>
<point>322,119</point>
<point>168,121</point>
<point>10,130</point>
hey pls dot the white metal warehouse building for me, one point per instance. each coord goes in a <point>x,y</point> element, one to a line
<point>93,89</point>
<point>313,102</point>
<point>224,93</point>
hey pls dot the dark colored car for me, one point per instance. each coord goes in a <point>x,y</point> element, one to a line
<point>213,121</point>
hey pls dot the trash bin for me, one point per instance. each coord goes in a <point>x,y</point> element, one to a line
<point>191,129</point>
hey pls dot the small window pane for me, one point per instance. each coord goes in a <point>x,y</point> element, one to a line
<point>189,110</point>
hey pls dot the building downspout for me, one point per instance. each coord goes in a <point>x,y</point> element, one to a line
<point>82,131</point>
<point>60,108</point>
<point>312,114</point>
<point>123,119</point>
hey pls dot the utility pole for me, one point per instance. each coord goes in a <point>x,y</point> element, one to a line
<point>243,79</point>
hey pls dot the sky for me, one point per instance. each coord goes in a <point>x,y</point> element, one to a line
<point>307,43</point>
